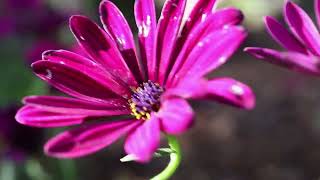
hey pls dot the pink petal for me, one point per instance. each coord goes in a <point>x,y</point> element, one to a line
<point>101,47</point>
<point>79,81</point>
<point>38,117</point>
<point>224,90</point>
<point>292,60</point>
<point>216,21</point>
<point>202,9</point>
<point>145,15</point>
<point>63,56</point>
<point>167,34</point>
<point>303,27</point>
<point>74,106</point>
<point>87,139</point>
<point>283,36</point>
<point>144,140</point>
<point>176,116</point>
<point>230,91</point>
<point>317,10</point>
<point>75,60</point>
<point>117,26</point>
<point>207,56</point>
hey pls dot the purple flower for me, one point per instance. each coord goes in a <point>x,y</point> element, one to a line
<point>302,42</point>
<point>18,16</point>
<point>152,92</point>
<point>19,141</point>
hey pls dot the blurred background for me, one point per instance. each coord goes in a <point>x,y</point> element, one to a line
<point>278,140</point>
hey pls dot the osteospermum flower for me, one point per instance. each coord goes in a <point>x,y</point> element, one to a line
<point>152,90</point>
<point>302,42</point>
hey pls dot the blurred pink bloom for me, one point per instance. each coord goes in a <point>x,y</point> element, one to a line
<point>152,92</point>
<point>302,42</point>
<point>19,141</point>
<point>34,52</point>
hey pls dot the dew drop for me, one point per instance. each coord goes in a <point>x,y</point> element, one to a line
<point>237,90</point>
<point>49,74</point>
<point>203,17</point>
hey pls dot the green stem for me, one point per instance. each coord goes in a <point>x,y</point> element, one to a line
<point>175,160</point>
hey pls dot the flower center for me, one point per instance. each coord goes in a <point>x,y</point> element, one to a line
<point>145,99</point>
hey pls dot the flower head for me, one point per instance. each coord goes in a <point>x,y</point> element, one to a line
<point>302,42</point>
<point>151,90</point>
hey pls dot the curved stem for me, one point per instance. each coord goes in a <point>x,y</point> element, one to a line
<point>175,159</point>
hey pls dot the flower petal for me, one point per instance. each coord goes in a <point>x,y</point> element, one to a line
<point>167,34</point>
<point>230,91</point>
<point>117,26</point>
<point>283,36</point>
<point>224,90</point>
<point>186,42</point>
<point>78,80</point>
<point>206,56</point>
<point>144,140</point>
<point>292,60</point>
<point>303,27</point>
<point>63,56</point>
<point>202,9</point>
<point>101,47</point>
<point>38,117</point>
<point>176,116</point>
<point>87,139</point>
<point>317,10</point>
<point>145,15</point>
<point>74,106</point>
<point>216,21</point>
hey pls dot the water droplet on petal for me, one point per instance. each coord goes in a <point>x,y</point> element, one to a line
<point>237,90</point>
<point>121,43</point>
<point>203,17</point>
<point>49,74</point>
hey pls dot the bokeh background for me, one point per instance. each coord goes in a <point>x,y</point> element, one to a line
<point>278,140</point>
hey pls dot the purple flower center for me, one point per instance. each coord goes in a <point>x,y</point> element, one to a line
<point>145,99</point>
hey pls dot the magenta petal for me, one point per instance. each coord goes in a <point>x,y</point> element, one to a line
<point>202,9</point>
<point>303,27</point>
<point>167,34</point>
<point>224,90</point>
<point>317,10</point>
<point>144,140</point>
<point>206,55</point>
<point>63,56</point>
<point>87,139</point>
<point>117,26</point>
<point>176,116</point>
<point>78,80</point>
<point>283,36</point>
<point>145,15</point>
<point>84,64</point>
<point>37,117</point>
<point>101,47</point>
<point>70,106</point>
<point>230,91</point>
<point>216,21</point>
<point>292,60</point>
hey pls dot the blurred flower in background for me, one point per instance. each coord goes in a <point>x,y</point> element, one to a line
<point>254,10</point>
<point>302,43</point>
<point>19,141</point>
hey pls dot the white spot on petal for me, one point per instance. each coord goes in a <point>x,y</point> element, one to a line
<point>49,74</point>
<point>237,90</point>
